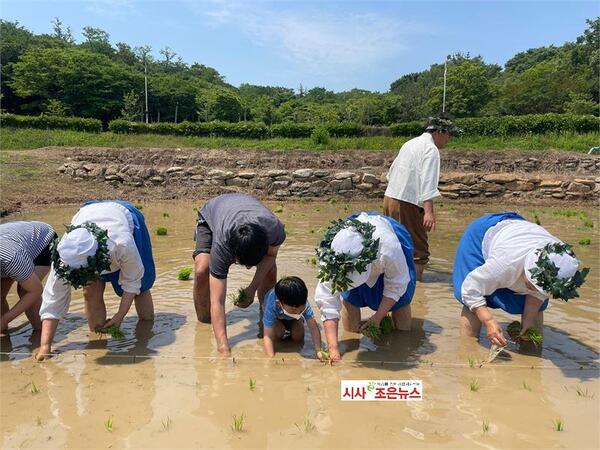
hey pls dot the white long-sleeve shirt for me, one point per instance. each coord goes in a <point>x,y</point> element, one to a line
<point>414,175</point>
<point>124,256</point>
<point>505,247</point>
<point>390,261</point>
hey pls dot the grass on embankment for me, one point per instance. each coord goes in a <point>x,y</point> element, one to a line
<point>20,139</point>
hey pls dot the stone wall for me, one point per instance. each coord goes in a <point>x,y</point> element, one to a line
<point>460,182</point>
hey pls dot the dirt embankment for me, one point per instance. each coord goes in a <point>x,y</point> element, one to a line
<point>71,175</point>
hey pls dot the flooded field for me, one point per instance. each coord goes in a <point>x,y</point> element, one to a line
<point>166,387</point>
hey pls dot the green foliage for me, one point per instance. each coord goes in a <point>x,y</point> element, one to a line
<point>514,329</point>
<point>114,331</point>
<point>55,108</point>
<point>108,425</point>
<point>585,241</point>
<point>278,210</point>
<point>559,425</point>
<point>320,136</point>
<point>132,107</point>
<point>386,325</point>
<point>161,231</point>
<point>241,299</point>
<point>184,273</point>
<point>474,385</point>
<point>372,331</point>
<point>534,335</point>
<point>252,384</point>
<point>51,123</point>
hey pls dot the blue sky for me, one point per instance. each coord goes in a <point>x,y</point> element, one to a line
<point>335,44</point>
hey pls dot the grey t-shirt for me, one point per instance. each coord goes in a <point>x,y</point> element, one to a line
<point>224,214</point>
<point>20,244</point>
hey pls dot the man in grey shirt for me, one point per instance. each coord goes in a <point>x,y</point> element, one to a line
<point>233,228</point>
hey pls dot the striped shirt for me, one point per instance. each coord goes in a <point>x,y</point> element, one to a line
<point>20,244</point>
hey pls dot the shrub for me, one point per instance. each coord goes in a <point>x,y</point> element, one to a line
<point>291,130</point>
<point>48,122</point>
<point>345,129</point>
<point>413,128</point>
<point>320,135</point>
<point>161,231</point>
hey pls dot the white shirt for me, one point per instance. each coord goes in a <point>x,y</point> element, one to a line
<point>505,247</point>
<point>124,256</point>
<point>414,175</point>
<point>390,261</point>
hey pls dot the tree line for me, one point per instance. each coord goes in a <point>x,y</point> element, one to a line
<point>55,75</point>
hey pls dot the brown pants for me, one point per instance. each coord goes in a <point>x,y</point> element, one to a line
<point>411,216</point>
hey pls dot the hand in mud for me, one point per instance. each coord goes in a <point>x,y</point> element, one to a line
<point>115,321</point>
<point>224,350</point>
<point>43,353</point>
<point>334,355</point>
<point>373,319</point>
<point>494,333</point>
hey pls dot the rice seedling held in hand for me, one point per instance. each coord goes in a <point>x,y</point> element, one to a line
<point>109,424</point>
<point>559,425</point>
<point>252,384</point>
<point>514,329</point>
<point>114,331</point>
<point>184,273</point>
<point>161,231</point>
<point>474,385</point>
<point>534,335</point>
<point>241,299</point>
<point>238,423</point>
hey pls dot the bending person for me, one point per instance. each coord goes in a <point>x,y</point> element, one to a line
<point>365,260</point>
<point>503,261</point>
<point>233,228</point>
<point>107,242</point>
<point>24,258</point>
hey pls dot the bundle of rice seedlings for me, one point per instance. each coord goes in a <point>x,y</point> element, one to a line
<point>114,332</point>
<point>241,299</point>
<point>184,274</point>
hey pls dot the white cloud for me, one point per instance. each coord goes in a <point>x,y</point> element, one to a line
<point>317,41</point>
<point>109,7</point>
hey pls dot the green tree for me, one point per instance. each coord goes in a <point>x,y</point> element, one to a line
<point>55,108</point>
<point>97,41</point>
<point>132,107</point>
<point>14,41</point>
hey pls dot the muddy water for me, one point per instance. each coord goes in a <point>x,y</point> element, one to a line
<point>165,386</point>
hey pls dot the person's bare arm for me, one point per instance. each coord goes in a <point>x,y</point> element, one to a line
<point>124,307</point>
<point>315,334</point>
<point>268,339</point>
<point>32,288</point>
<point>494,331</point>
<point>49,327</point>
<point>330,328</point>
<point>218,289</point>
<point>429,217</point>
<point>384,307</point>
<point>263,268</point>
<point>531,312</point>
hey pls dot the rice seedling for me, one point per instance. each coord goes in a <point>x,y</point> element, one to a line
<point>559,425</point>
<point>566,213</point>
<point>165,215</point>
<point>526,386</point>
<point>252,384</point>
<point>535,336</point>
<point>161,231</point>
<point>471,362</point>
<point>241,299</point>
<point>166,423</point>
<point>324,356</point>
<point>278,210</point>
<point>114,331</point>
<point>109,424</point>
<point>184,273</point>
<point>312,261</point>
<point>585,241</point>
<point>581,392</point>
<point>372,331</point>
<point>386,325</point>
<point>332,201</point>
<point>537,219</point>
<point>514,329</point>
<point>33,388</point>
<point>238,423</point>
<point>474,385</point>
<point>485,425</point>
<point>307,426</point>
<point>138,207</point>
<point>38,421</point>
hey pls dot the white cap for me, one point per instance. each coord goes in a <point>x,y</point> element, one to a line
<point>350,242</point>
<point>75,247</point>
<point>566,264</point>
<point>347,241</point>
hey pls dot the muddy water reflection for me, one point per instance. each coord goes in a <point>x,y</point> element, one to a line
<point>164,386</point>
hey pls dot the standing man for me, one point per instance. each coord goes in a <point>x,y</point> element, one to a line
<point>413,184</point>
<point>233,228</point>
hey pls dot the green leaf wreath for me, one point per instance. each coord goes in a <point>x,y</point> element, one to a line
<point>335,267</point>
<point>82,276</point>
<point>545,273</point>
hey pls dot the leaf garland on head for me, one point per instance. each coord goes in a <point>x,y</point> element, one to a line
<point>82,276</point>
<point>545,273</point>
<point>335,267</point>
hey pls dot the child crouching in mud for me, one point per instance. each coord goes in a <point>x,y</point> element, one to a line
<point>286,308</point>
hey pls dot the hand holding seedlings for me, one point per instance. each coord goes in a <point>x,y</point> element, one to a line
<point>375,331</point>
<point>532,334</point>
<point>242,299</point>
<point>114,332</point>
<point>184,273</point>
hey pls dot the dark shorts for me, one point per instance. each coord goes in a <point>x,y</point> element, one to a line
<point>202,236</point>
<point>45,258</point>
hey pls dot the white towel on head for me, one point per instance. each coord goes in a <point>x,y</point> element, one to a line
<point>75,247</point>
<point>347,241</point>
